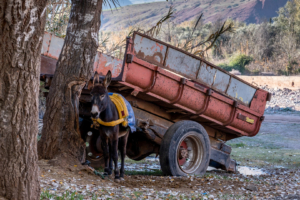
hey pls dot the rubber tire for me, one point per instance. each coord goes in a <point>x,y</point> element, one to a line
<point>171,139</point>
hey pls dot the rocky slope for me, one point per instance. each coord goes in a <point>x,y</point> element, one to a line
<point>283,100</point>
<point>249,11</point>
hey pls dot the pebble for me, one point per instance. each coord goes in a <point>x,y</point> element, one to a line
<point>251,188</point>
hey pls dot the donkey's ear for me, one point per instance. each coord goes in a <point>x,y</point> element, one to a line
<point>96,79</point>
<point>107,79</point>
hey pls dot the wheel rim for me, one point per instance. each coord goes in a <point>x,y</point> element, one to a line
<point>190,153</point>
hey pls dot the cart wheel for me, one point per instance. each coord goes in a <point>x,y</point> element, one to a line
<point>93,152</point>
<point>185,149</point>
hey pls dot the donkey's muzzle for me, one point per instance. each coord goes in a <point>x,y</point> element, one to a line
<point>94,115</point>
<point>95,111</point>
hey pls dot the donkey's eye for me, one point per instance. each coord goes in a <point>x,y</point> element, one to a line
<point>102,97</point>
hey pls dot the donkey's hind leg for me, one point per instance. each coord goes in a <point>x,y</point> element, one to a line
<point>122,149</point>
<point>114,155</point>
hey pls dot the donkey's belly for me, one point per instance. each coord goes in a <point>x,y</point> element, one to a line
<point>122,133</point>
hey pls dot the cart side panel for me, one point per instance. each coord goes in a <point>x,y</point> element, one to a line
<point>51,49</point>
<point>240,91</point>
<point>48,65</point>
<point>143,80</point>
<point>170,92</point>
<point>46,43</point>
<point>182,63</point>
<point>149,50</point>
<point>192,67</point>
<point>55,47</point>
<point>206,74</point>
<point>258,102</point>
<point>247,122</point>
<point>220,110</point>
<point>192,98</point>
<point>103,63</point>
<point>221,81</point>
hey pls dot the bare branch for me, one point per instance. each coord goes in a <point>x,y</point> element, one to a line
<point>156,29</point>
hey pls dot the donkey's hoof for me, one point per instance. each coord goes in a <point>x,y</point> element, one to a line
<point>108,171</point>
<point>105,173</point>
<point>122,179</point>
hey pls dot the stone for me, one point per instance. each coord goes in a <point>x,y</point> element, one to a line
<point>251,188</point>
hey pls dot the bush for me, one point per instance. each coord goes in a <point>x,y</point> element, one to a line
<point>237,145</point>
<point>240,61</point>
<point>237,62</point>
<point>226,67</point>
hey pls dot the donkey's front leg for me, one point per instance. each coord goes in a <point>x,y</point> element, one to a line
<point>110,164</point>
<point>105,148</point>
<point>114,155</point>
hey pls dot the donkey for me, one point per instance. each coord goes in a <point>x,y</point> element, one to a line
<point>112,137</point>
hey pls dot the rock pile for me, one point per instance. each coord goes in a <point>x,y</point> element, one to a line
<point>283,99</point>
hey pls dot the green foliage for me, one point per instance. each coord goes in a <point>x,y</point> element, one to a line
<point>237,145</point>
<point>237,62</point>
<point>45,194</point>
<point>240,60</point>
<point>289,17</point>
<point>58,12</point>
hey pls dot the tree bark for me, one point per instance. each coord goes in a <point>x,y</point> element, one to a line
<point>60,134</point>
<point>21,33</point>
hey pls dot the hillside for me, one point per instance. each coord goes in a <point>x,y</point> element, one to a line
<point>249,11</point>
<point>121,2</point>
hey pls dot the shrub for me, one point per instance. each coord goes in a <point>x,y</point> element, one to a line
<point>237,145</point>
<point>237,62</point>
<point>226,67</point>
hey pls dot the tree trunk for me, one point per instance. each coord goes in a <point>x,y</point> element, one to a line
<point>21,34</point>
<point>60,135</point>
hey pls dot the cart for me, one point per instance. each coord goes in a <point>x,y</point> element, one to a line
<point>185,107</point>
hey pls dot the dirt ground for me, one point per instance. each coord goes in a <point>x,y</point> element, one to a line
<point>275,150</point>
<point>278,184</point>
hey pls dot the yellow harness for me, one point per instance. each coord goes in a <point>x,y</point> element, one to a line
<point>122,110</point>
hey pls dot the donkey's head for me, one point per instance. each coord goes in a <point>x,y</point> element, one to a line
<point>99,93</point>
